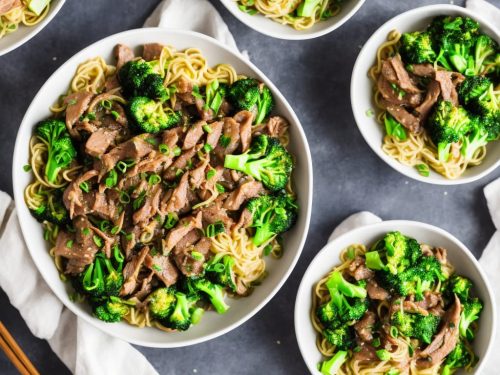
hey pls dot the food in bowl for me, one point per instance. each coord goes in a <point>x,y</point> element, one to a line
<point>299,14</point>
<point>21,12</point>
<point>395,308</point>
<point>437,95</point>
<point>161,184</point>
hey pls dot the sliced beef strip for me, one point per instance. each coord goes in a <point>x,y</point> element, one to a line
<point>111,83</point>
<point>77,257</point>
<point>276,126</point>
<point>178,199</point>
<point>208,188</point>
<point>403,78</point>
<point>122,54</point>
<point>448,91</point>
<point>193,135</point>
<point>364,326</point>
<point>423,70</point>
<point>131,240</point>
<point>163,268</point>
<point>146,286</point>
<point>185,90</point>
<point>197,176</point>
<point>150,206</point>
<point>152,51</point>
<point>441,254</point>
<point>131,271</point>
<point>244,192</point>
<point>231,131</point>
<point>244,118</point>
<point>392,96</point>
<point>188,265</point>
<point>76,201</point>
<point>215,213</point>
<point>135,148</point>
<point>103,206</point>
<point>188,240</point>
<point>387,70</point>
<point>76,105</point>
<point>375,291</point>
<point>184,226</point>
<point>206,114</point>
<point>431,97</point>
<point>170,137</point>
<point>99,142</point>
<point>358,269</point>
<point>409,121</point>
<point>181,162</point>
<point>366,353</point>
<point>215,133</point>
<point>154,162</point>
<point>444,341</point>
<point>245,220</point>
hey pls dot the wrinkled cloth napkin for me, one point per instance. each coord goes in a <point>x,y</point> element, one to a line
<point>85,349</point>
<point>490,259</point>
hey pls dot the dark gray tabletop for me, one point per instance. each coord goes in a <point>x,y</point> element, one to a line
<point>314,76</point>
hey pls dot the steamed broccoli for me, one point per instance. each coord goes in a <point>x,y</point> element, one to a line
<point>49,207</point>
<point>251,95</point>
<point>397,250</point>
<point>214,292</point>
<point>161,303</point>
<point>422,327</point>
<point>61,151</point>
<point>342,337</point>
<point>416,48</point>
<point>307,8</point>
<point>100,278</point>
<point>470,312</point>
<point>331,366</point>
<point>111,310</point>
<point>180,318</point>
<point>459,357</point>
<point>271,215</point>
<point>150,117</point>
<point>447,124</point>
<point>267,161</point>
<point>220,270</point>
<point>475,139</point>
<point>472,88</point>
<point>138,78</point>
<point>461,286</point>
<point>215,92</point>
<point>484,49</point>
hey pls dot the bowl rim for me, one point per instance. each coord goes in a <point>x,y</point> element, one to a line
<point>34,30</point>
<point>19,155</point>
<point>384,225</point>
<point>302,34</point>
<point>420,12</point>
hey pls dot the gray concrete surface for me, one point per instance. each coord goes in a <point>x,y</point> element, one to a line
<point>314,76</point>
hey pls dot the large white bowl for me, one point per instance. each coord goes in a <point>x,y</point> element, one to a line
<point>458,254</point>
<point>24,33</point>
<point>212,325</point>
<point>362,91</point>
<point>269,27</point>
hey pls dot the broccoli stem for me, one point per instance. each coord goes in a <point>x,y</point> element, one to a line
<point>332,366</point>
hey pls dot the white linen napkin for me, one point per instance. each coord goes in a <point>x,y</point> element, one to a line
<point>490,259</point>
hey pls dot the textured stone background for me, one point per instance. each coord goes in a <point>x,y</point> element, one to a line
<point>314,76</point>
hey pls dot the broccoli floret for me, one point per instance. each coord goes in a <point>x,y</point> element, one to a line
<point>461,286</point>
<point>267,161</point>
<point>307,8</point>
<point>61,151</point>
<point>477,138</point>
<point>180,318</point>
<point>488,104</point>
<point>251,95</point>
<point>138,78</point>
<point>342,337</point>
<point>332,366</point>
<point>336,282</point>
<point>447,125</point>
<point>459,357</point>
<point>422,327</point>
<point>49,207</point>
<point>472,88</point>
<point>100,278</point>
<point>161,303</point>
<point>214,292</point>
<point>484,49</point>
<point>110,311</point>
<point>220,270</point>
<point>471,312</point>
<point>215,92</point>
<point>150,117</point>
<point>416,48</point>
<point>271,215</point>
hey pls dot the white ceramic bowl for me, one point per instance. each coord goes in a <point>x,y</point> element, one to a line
<point>269,27</point>
<point>461,258</point>
<point>24,33</point>
<point>362,91</point>
<point>212,325</point>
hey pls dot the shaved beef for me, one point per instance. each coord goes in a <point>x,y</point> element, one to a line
<point>431,98</point>
<point>358,269</point>
<point>206,114</point>
<point>388,71</point>
<point>184,260</point>
<point>245,220</point>
<point>152,51</point>
<point>276,126</point>
<point>98,142</point>
<point>76,201</point>
<point>231,131</point>
<point>393,96</point>
<point>215,213</point>
<point>215,133</point>
<point>366,353</point>
<point>150,206</point>
<point>448,91</point>
<point>184,226</point>
<point>375,291</point>
<point>131,271</point>
<point>163,268</point>
<point>181,162</point>
<point>171,137</point>
<point>244,118</point>
<point>145,288</point>
<point>423,70</point>
<point>185,90</point>
<point>111,83</point>
<point>193,135</point>
<point>406,119</point>
<point>197,175</point>
<point>76,104</point>
<point>246,191</point>
<point>134,148</point>
<point>207,188</point>
<point>441,254</point>
<point>188,240</point>
<point>154,162</point>
<point>444,341</point>
<point>403,78</point>
<point>123,54</point>
<point>103,206</point>
<point>129,241</point>
<point>178,199</point>
<point>364,326</point>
